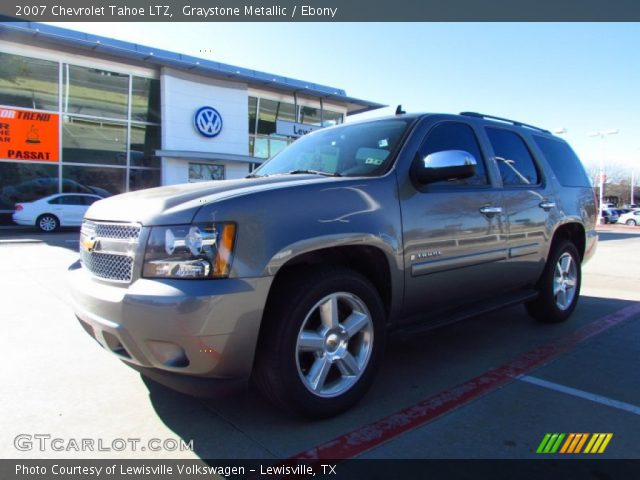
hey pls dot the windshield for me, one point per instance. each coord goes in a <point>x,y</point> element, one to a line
<point>362,149</point>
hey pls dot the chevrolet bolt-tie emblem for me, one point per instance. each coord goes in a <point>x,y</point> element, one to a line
<point>88,244</point>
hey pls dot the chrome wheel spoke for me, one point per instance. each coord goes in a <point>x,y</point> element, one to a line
<point>355,323</point>
<point>329,312</point>
<point>570,282</point>
<point>310,341</point>
<point>318,373</point>
<point>325,342</point>
<point>348,365</point>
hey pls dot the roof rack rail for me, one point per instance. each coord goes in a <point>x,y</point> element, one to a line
<point>513,122</point>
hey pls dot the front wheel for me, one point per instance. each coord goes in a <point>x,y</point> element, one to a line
<point>321,343</point>
<point>47,222</point>
<point>631,222</point>
<point>559,285</point>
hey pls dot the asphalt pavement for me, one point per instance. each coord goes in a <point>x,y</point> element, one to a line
<point>488,387</point>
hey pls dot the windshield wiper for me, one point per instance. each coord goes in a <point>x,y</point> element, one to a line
<point>314,172</point>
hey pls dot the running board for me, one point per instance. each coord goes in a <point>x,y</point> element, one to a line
<point>425,324</point>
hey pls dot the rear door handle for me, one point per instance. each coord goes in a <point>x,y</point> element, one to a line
<point>546,205</point>
<point>490,211</point>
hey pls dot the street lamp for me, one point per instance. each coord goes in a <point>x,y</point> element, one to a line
<point>602,134</point>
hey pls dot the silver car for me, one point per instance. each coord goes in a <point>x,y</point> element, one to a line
<point>294,276</point>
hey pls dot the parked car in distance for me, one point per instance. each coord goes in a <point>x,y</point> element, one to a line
<point>610,216</point>
<point>59,210</point>
<point>632,218</point>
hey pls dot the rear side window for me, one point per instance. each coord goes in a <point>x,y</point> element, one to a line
<point>564,162</point>
<point>455,136</point>
<point>70,200</point>
<point>90,200</point>
<point>513,157</point>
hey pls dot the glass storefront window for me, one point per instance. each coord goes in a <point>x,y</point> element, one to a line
<point>145,100</point>
<point>313,116</point>
<point>25,182</point>
<point>140,178</point>
<point>93,141</point>
<point>100,180</point>
<point>99,93</point>
<point>28,82</point>
<point>330,118</point>
<point>253,108</point>
<point>203,172</point>
<point>270,111</point>
<point>145,140</point>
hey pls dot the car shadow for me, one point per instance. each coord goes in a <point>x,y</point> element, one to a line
<point>605,236</point>
<point>65,237</point>
<point>416,368</point>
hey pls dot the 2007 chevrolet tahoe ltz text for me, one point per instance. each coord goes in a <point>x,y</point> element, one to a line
<point>294,276</point>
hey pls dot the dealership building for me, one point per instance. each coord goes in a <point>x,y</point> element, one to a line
<point>83,113</point>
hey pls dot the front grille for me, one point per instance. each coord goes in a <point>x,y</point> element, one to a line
<point>109,255</point>
<point>111,230</point>
<point>107,265</point>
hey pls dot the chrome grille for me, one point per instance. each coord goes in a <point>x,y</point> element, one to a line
<point>110,230</point>
<point>108,266</point>
<point>109,255</point>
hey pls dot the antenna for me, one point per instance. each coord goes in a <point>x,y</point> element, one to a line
<point>399,110</point>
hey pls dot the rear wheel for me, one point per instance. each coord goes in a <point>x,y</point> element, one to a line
<point>48,222</point>
<point>631,222</point>
<point>322,342</point>
<point>559,285</point>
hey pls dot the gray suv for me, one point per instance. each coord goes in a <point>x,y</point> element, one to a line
<point>294,276</point>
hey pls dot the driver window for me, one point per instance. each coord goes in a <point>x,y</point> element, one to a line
<point>455,136</point>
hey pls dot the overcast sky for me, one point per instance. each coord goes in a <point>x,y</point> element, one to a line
<point>576,76</point>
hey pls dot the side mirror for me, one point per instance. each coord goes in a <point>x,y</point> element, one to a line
<point>444,165</point>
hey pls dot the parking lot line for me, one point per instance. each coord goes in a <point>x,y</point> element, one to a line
<point>609,402</point>
<point>381,431</point>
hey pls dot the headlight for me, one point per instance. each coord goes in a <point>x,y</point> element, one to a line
<point>190,251</point>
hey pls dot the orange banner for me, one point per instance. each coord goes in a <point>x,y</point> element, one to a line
<point>27,135</point>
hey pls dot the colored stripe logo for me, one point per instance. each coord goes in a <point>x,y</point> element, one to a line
<point>574,443</point>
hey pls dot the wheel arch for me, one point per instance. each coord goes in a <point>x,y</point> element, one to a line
<point>572,231</point>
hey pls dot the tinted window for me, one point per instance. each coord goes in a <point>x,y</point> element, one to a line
<point>455,136</point>
<point>564,162</point>
<point>90,200</point>
<point>512,155</point>
<point>70,200</point>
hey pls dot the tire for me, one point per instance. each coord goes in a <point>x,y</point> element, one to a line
<point>48,222</point>
<point>559,285</point>
<point>631,222</point>
<point>317,364</point>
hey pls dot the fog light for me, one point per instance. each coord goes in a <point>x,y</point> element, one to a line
<point>169,354</point>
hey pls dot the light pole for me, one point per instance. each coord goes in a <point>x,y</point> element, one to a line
<point>602,134</point>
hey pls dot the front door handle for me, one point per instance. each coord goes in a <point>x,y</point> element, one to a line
<point>546,205</point>
<point>490,211</point>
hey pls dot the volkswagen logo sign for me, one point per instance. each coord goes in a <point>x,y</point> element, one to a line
<point>208,121</point>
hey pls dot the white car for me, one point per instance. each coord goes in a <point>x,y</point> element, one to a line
<point>59,210</point>
<point>631,218</point>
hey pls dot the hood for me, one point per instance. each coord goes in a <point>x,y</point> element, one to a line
<point>177,204</point>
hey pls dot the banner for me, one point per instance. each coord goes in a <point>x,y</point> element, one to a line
<point>28,135</point>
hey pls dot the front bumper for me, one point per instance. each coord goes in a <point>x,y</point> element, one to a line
<point>205,329</point>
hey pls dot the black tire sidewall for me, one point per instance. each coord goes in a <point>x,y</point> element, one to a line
<point>288,327</point>
<point>550,311</point>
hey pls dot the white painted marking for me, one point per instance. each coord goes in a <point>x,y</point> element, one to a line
<point>609,402</point>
